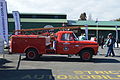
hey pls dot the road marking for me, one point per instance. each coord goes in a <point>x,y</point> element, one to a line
<point>96,72</point>
<point>77,75</point>
<point>66,77</point>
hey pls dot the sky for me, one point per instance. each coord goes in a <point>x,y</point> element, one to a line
<point>103,10</point>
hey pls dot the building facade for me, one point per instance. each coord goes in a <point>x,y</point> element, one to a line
<point>99,28</point>
<point>30,21</point>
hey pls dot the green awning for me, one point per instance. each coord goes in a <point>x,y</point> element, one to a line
<point>93,23</point>
<point>40,20</point>
<point>101,28</point>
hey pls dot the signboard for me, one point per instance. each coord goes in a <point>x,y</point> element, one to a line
<point>16,17</point>
<point>3,21</point>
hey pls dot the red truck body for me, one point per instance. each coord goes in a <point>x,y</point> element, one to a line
<point>34,45</point>
<point>20,43</point>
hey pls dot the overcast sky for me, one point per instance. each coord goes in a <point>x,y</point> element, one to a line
<point>101,9</point>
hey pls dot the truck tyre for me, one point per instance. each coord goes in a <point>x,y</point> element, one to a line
<point>32,54</point>
<point>86,55</point>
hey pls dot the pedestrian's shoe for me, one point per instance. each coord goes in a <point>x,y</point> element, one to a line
<point>106,56</point>
<point>113,55</point>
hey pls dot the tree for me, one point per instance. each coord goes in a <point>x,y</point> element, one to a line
<point>117,19</point>
<point>83,16</point>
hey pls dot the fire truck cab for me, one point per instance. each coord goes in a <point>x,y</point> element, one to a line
<point>65,43</point>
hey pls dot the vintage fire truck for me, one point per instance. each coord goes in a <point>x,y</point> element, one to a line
<point>66,43</point>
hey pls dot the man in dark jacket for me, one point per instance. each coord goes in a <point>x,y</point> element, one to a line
<point>110,43</point>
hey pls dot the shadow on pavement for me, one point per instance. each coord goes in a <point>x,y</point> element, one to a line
<point>4,61</point>
<point>56,59</point>
<point>65,59</point>
<point>104,60</point>
<point>27,74</point>
<point>117,56</point>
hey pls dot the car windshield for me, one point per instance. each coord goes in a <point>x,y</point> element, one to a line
<point>75,37</point>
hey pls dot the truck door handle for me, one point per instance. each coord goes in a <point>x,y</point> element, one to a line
<point>66,43</point>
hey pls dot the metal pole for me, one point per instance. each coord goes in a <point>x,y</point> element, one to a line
<point>86,31</point>
<point>97,32</point>
<point>116,36</point>
<point>97,28</point>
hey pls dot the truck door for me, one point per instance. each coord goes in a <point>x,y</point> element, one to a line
<point>67,45</point>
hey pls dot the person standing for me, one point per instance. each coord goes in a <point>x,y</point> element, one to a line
<point>110,42</point>
<point>82,37</point>
<point>102,42</point>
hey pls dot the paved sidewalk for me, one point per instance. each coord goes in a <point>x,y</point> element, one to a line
<point>104,51</point>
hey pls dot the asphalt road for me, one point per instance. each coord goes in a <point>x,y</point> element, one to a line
<point>57,67</point>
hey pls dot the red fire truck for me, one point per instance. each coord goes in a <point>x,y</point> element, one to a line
<point>66,43</point>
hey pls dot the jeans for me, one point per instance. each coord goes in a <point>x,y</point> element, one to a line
<point>109,51</point>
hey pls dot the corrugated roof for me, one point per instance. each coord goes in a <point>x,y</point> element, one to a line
<point>92,23</point>
<point>40,20</point>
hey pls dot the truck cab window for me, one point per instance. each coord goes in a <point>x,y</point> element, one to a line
<point>67,37</point>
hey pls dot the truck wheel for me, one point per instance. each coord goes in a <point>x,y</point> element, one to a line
<point>32,54</point>
<point>86,55</point>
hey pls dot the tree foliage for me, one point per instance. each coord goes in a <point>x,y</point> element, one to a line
<point>117,19</point>
<point>83,16</point>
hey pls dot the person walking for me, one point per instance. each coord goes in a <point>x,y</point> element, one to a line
<point>110,42</point>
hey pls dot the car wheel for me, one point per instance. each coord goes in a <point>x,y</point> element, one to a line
<point>86,55</point>
<point>31,54</point>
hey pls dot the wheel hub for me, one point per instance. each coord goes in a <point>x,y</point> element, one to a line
<point>31,54</point>
<point>86,55</point>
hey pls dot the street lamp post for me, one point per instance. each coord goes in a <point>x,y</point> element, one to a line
<point>116,36</point>
<point>86,31</point>
<point>97,34</point>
